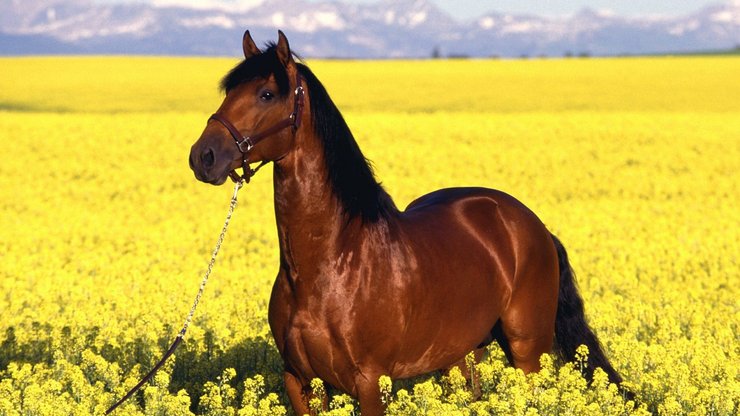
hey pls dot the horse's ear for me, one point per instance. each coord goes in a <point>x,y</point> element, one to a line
<point>250,49</point>
<point>283,49</point>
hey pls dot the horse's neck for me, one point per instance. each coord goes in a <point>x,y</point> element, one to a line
<point>309,216</point>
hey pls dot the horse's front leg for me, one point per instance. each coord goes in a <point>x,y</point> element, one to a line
<point>297,394</point>
<point>300,395</point>
<point>368,394</point>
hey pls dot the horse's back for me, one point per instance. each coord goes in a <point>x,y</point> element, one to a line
<point>482,196</point>
<point>509,229</point>
<point>496,215</point>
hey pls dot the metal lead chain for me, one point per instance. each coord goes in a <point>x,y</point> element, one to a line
<point>239,183</point>
<point>220,241</point>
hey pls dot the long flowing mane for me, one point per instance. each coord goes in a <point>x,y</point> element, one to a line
<point>350,174</point>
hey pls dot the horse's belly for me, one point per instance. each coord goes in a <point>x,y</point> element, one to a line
<point>453,332</point>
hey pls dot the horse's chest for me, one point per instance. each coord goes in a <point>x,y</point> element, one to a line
<point>305,340</point>
<point>312,350</point>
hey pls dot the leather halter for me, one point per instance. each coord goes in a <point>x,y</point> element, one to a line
<point>246,143</point>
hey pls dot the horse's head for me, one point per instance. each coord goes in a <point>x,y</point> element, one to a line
<point>258,117</point>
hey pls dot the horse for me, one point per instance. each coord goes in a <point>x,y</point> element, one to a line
<point>364,289</point>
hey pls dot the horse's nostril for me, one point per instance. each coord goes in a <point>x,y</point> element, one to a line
<point>207,158</point>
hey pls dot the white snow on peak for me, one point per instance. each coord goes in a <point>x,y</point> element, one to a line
<point>682,28</point>
<point>210,21</point>
<point>136,27</point>
<point>606,13</point>
<point>330,20</point>
<point>313,21</point>
<point>726,16</point>
<point>390,15</point>
<point>409,18</point>
<point>278,19</point>
<point>487,22</point>
<point>521,27</point>
<point>417,18</point>
<point>225,5</point>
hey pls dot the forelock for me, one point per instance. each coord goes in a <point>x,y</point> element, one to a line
<point>259,66</point>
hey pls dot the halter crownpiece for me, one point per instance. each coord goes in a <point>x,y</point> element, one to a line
<point>246,143</point>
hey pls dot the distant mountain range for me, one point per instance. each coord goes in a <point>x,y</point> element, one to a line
<point>385,29</point>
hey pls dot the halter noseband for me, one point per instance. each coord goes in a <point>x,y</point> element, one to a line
<point>246,143</point>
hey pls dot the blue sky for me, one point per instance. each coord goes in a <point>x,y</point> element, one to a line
<point>463,9</point>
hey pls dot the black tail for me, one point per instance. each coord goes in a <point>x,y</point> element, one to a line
<point>571,328</point>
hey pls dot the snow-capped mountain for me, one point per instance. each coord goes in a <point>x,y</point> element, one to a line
<point>387,28</point>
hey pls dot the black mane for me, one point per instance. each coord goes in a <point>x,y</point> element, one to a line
<point>349,172</point>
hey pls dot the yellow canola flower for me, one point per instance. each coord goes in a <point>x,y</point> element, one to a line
<point>104,232</point>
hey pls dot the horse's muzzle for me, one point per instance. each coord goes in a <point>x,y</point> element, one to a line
<point>207,167</point>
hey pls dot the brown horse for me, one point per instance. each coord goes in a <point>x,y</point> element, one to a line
<point>364,289</point>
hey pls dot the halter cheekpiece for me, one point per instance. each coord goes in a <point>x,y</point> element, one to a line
<point>246,143</point>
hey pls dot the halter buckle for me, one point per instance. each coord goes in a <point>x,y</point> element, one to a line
<point>248,142</point>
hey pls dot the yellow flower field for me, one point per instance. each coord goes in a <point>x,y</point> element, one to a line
<point>104,234</point>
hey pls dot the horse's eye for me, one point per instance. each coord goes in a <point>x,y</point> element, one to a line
<point>267,96</point>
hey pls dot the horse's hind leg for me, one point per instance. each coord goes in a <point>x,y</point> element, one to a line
<point>527,327</point>
<point>527,361</point>
<point>526,337</point>
<point>525,351</point>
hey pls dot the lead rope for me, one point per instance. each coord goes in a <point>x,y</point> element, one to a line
<point>237,185</point>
